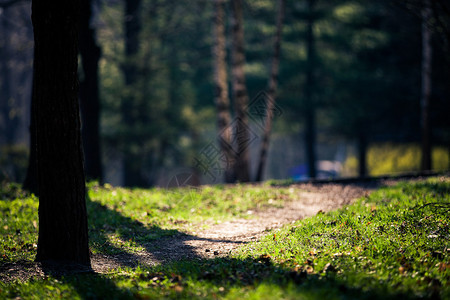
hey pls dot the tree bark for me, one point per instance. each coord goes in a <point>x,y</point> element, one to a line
<point>63,232</point>
<point>426,88</point>
<point>310,111</point>
<point>221,98</point>
<point>273,82</point>
<point>240,96</point>
<point>89,95</point>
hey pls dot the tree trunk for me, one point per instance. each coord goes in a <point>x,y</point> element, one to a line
<point>132,161</point>
<point>310,111</point>
<point>362,154</point>
<point>63,232</point>
<point>426,88</point>
<point>89,95</point>
<point>221,90</point>
<point>273,82</point>
<point>242,135</point>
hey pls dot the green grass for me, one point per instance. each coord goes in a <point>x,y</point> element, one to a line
<point>392,244</point>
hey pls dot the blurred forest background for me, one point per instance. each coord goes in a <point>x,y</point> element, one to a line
<point>348,99</point>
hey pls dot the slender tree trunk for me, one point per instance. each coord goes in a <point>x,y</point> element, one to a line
<point>426,88</point>
<point>63,232</point>
<point>89,94</point>
<point>310,111</point>
<point>221,90</point>
<point>273,82</point>
<point>362,154</point>
<point>132,160</point>
<point>240,96</point>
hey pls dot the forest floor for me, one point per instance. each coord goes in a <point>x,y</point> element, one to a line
<point>219,240</point>
<point>354,239</point>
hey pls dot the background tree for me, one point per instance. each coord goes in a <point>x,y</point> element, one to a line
<point>63,233</point>
<point>221,90</point>
<point>240,96</point>
<point>89,94</point>
<point>130,102</point>
<point>16,56</point>
<point>426,87</point>
<point>272,87</point>
<point>310,83</point>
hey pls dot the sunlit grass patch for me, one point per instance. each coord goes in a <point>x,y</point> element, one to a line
<point>124,220</point>
<point>395,240</point>
<point>18,225</point>
<point>392,244</point>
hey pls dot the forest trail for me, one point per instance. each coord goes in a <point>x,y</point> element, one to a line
<point>221,239</point>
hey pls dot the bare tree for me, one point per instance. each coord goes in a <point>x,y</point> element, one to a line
<point>426,87</point>
<point>132,161</point>
<point>89,94</point>
<point>221,89</point>
<point>273,82</point>
<point>310,109</point>
<point>240,96</point>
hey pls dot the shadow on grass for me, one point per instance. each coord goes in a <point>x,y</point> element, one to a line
<point>179,272</point>
<point>161,246</point>
<point>226,277</point>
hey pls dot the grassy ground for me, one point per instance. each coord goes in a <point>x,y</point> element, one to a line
<point>394,243</point>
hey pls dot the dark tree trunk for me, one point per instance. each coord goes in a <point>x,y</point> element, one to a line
<point>426,88</point>
<point>89,95</point>
<point>63,232</point>
<point>310,111</point>
<point>362,154</point>
<point>133,175</point>
<point>221,90</point>
<point>273,82</point>
<point>240,96</point>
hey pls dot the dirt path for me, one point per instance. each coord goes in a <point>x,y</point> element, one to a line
<point>220,239</point>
